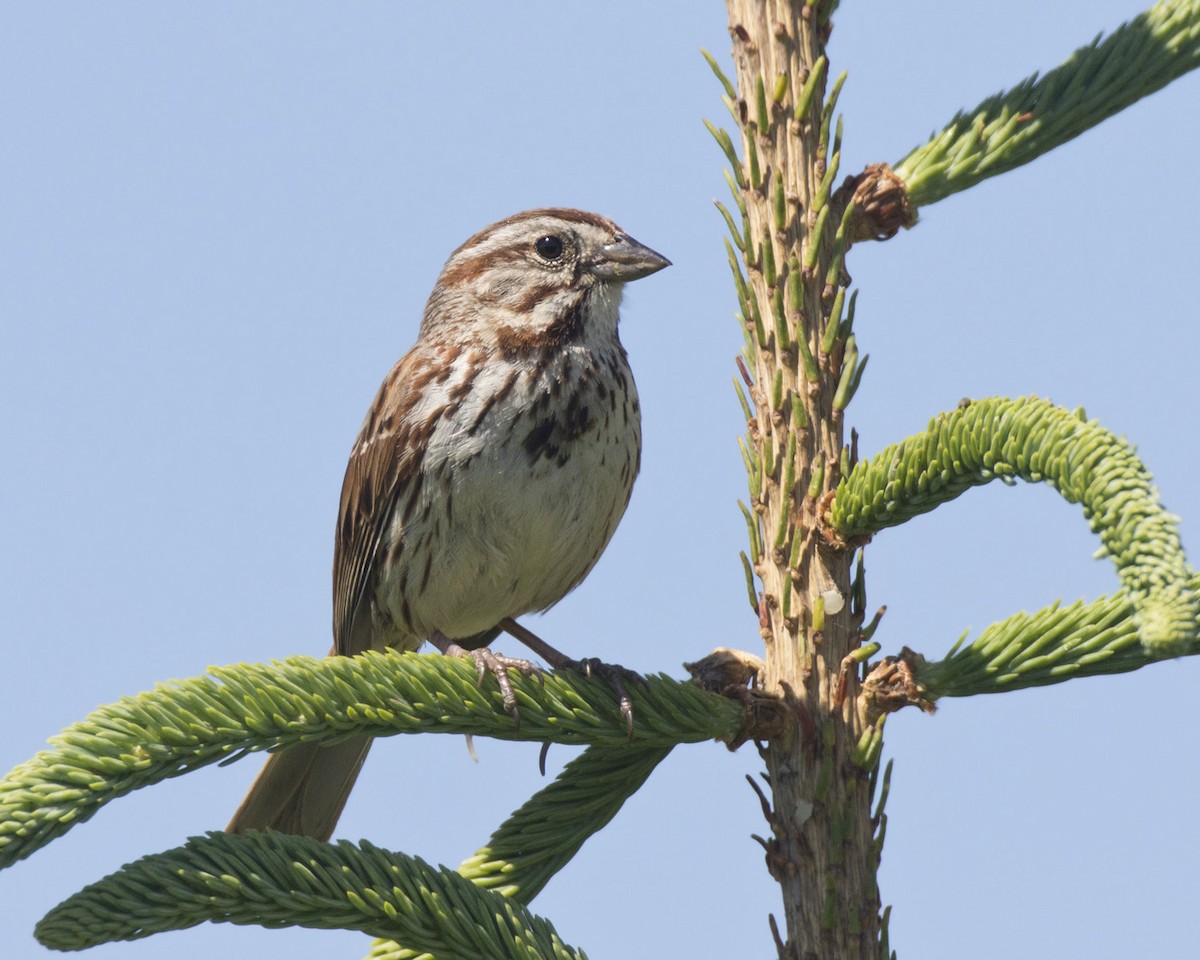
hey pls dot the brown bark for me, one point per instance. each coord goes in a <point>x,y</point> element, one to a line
<point>823,851</point>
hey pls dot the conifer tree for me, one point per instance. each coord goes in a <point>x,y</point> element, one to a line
<point>815,698</point>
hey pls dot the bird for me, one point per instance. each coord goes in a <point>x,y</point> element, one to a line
<point>488,476</point>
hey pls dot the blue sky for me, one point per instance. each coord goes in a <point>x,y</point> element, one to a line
<point>218,226</point>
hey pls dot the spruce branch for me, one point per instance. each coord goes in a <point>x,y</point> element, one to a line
<point>275,880</point>
<point>1034,440</point>
<point>1054,644</point>
<point>1043,112</point>
<point>219,717</point>
<point>547,831</point>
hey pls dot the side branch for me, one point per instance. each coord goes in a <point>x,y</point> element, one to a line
<point>1034,440</point>
<point>274,879</point>
<point>1032,650</point>
<point>539,839</point>
<point>1040,113</point>
<point>178,727</point>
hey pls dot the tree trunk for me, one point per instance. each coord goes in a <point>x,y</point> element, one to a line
<point>822,771</point>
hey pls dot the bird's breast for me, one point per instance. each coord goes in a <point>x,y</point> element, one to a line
<point>524,482</point>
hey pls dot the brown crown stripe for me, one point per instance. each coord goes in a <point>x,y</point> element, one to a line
<point>566,214</point>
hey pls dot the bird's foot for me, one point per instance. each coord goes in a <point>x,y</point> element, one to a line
<point>617,677</point>
<point>499,667</point>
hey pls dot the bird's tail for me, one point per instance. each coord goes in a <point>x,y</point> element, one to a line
<point>302,789</point>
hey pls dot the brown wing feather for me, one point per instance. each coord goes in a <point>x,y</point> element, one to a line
<point>384,461</point>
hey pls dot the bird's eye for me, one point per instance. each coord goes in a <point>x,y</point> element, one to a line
<point>549,248</point>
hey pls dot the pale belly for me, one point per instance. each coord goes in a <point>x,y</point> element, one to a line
<point>525,522</point>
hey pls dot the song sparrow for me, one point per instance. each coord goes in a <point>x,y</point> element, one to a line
<point>489,474</point>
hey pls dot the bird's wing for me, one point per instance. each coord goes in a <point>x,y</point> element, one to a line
<point>384,466</point>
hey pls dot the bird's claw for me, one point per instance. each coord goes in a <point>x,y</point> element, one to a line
<point>617,676</point>
<point>499,666</point>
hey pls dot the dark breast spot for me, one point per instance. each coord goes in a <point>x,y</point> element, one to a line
<point>576,420</point>
<point>555,432</point>
<point>537,441</point>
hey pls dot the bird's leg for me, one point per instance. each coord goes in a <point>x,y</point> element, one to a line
<point>556,658</point>
<point>615,674</point>
<point>487,662</point>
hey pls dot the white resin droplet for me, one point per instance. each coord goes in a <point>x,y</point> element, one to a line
<point>834,601</point>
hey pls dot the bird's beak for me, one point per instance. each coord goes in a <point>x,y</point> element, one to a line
<point>626,259</point>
